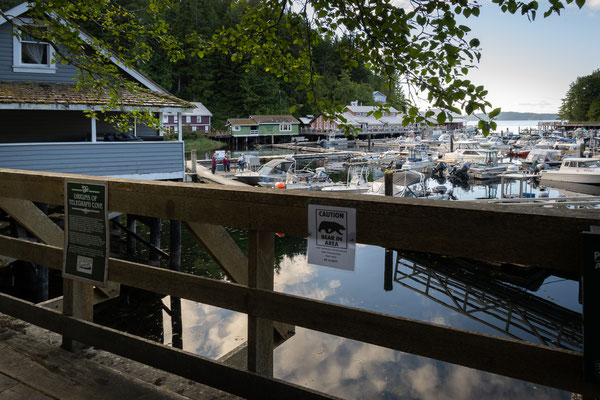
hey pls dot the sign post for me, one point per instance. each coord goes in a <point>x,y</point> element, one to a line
<point>332,236</point>
<point>86,232</point>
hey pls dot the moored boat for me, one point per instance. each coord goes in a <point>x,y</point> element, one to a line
<point>576,170</point>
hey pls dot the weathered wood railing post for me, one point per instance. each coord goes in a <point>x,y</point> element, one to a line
<point>261,256</point>
<point>389,255</point>
<point>591,302</point>
<point>194,159</point>
<point>78,302</point>
<point>175,265</point>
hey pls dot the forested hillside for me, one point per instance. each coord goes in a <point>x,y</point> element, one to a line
<point>228,90</point>
<point>226,87</point>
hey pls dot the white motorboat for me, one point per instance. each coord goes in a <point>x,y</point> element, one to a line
<point>576,170</point>
<point>466,151</point>
<point>494,142</point>
<point>281,170</point>
<point>357,182</point>
<point>537,156</point>
<point>417,160</point>
<point>409,183</point>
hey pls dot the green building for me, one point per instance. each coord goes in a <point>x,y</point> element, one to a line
<point>264,125</point>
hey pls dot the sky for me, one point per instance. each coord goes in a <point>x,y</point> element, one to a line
<point>528,66</point>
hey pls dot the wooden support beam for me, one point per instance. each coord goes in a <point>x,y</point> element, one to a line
<point>261,258</point>
<point>484,352</point>
<point>78,298</point>
<point>547,238</point>
<point>34,220</point>
<point>222,248</point>
<point>591,305</point>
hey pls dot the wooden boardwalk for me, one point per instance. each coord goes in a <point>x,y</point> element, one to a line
<point>34,367</point>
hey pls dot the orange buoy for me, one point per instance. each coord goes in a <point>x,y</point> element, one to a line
<point>280,185</point>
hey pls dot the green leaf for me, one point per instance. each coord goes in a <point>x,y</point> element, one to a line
<point>494,113</point>
<point>441,118</point>
<point>580,3</point>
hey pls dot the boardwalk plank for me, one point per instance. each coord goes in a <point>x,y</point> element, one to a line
<point>63,375</point>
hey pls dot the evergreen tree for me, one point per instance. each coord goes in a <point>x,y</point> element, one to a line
<point>582,102</point>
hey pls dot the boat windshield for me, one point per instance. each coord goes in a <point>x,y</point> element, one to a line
<point>273,168</point>
<point>590,164</point>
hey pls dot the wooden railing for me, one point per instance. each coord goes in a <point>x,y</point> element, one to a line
<point>544,238</point>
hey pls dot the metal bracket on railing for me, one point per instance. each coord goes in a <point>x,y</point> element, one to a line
<point>591,304</point>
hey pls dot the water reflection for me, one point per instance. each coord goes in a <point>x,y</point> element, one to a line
<point>491,302</point>
<point>205,330</point>
<point>352,369</point>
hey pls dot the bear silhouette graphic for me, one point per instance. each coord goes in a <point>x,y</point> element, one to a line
<point>330,226</point>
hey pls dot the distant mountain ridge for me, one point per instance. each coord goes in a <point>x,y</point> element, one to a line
<point>517,116</point>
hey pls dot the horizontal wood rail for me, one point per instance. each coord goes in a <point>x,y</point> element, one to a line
<point>191,366</point>
<point>561,369</point>
<point>544,238</point>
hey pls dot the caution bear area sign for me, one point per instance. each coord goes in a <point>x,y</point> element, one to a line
<point>332,236</point>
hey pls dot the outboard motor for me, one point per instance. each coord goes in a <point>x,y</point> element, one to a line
<point>439,169</point>
<point>395,164</point>
<point>460,173</point>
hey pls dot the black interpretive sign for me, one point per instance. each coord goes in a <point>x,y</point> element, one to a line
<point>86,232</point>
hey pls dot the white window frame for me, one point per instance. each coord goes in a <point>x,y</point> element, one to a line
<point>285,127</point>
<point>19,66</point>
<point>236,128</point>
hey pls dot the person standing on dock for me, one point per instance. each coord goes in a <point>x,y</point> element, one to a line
<point>226,162</point>
<point>213,165</point>
<point>241,162</point>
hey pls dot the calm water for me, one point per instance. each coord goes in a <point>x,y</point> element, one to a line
<point>347,368</point>
<point>352,369</point>
<point>514,126</point>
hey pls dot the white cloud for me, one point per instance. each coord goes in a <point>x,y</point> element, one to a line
<point>593,4</point>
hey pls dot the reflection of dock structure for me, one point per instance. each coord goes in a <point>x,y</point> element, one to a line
<point>497,305</point>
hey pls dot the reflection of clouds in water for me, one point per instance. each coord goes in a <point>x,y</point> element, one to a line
<point>350,369</point>
<point>438,319</point>
<point>298,277</point>
<point>208,331</point>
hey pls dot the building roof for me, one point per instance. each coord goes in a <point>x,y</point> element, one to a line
<point>274,119</point>
<point>241,121</point>
<point>199,110</point>
<point>23,8</point>
<point>64,96</point>
<point>366,109</point>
